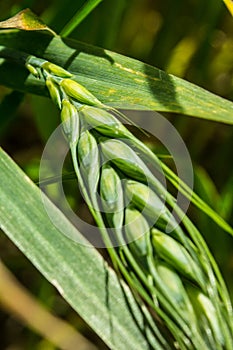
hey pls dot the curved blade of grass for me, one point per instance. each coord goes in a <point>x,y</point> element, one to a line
<point>77,271</point>
<point>195,199</point>
<point>114,79</point>
<point>88,6</point>
<point>229,5</point>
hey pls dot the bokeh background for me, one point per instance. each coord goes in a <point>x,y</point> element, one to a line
<point>192,39</point>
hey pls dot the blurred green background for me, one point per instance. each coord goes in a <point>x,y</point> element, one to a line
<point>190,39</point>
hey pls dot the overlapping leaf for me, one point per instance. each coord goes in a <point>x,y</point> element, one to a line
<point>115,79</point>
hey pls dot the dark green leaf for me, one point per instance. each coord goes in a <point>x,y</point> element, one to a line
<point>76,270</point>
<point>115,79</point>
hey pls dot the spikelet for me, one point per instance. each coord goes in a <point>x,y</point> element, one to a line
<point>70,120</point>
<point>75,90</point>
<point>112,196</point>
<point>176,255</point>
<point>88,156</point>
<point>54,92</point>
<point>136,231</point>
<point>54,69</point>
<point>104,122</point>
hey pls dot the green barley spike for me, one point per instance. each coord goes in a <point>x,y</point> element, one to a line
<point>177,261</point>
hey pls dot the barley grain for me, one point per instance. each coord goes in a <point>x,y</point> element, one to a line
<point>70,120</point>
<point>80,93</point>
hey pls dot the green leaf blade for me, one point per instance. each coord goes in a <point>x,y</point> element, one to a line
<point>81,14</point>
<point>77,271</point>
<point>114,79</point>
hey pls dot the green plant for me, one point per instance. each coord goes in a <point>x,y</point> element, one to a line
<point>182,283</point>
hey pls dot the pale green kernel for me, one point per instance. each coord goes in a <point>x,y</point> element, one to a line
<point>174,289</point>
<point>104,122</point>
<point>33,70</point>
<point>109,188</point>
<point>125,158</point>
<point>177,256</point>
<point>144,198</point>
<point>70,120</point>
<point>204,306</point>
<point>54,92</point>
<point>79,92</point>
<point>136,231</point>
<point>56,70</point>
<point>88,155</point>
<point>112,196</point>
